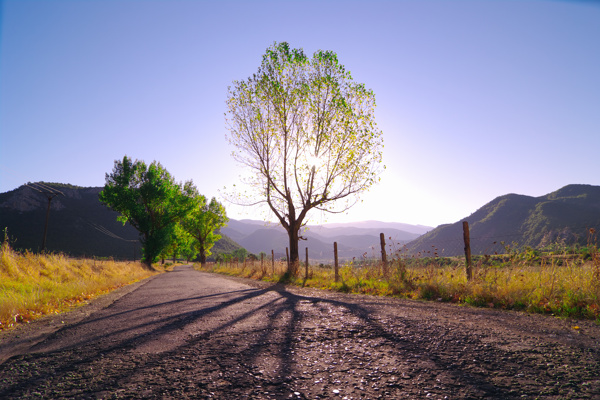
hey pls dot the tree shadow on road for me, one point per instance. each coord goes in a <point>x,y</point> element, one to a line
<point>248,341</point>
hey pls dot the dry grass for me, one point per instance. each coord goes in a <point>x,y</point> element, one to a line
<point>563,287</point>
<point>32,285</point>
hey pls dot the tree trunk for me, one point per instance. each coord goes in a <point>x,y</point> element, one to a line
<point>294,249</point>
<point>202,254</point>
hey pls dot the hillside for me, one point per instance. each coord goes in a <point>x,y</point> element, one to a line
<point>79,225</point>
<point>353,239</point>
<point>561,216</point>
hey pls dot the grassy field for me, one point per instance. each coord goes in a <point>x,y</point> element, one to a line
<point>567,285</point>
<point>562,285</point>
<point>33,285</point>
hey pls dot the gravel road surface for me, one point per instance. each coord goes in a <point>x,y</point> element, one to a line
<point>193,335</point>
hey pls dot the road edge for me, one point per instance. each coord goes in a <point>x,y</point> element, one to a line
<point>19,340</point>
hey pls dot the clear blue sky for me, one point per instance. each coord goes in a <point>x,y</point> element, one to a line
<point>476,99</point>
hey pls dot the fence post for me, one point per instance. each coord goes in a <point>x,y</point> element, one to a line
<point>383,254</point>
<point>306,268</point>
<point>335,257</point>
<point>273,261</point>
<point>262,258</point>
<point>467,240</point>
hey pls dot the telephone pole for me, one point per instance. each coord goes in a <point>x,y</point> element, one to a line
<point>50,196</point>
<point>50,193</point>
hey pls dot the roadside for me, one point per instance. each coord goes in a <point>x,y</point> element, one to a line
<point>24,336</point>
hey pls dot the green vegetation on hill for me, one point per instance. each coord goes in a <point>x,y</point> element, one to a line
<point>224,246</point>
<point>563,216</point>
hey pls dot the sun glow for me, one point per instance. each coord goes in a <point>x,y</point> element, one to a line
<point>315,160</point>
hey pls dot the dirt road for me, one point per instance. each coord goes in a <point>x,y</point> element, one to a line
<point>187,334</point>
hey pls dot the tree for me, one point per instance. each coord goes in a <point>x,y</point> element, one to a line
<point>203,223</point>
<point>180,243</point>
<point>150,200</point>
<point>306,132</point>
<point>240,254</point>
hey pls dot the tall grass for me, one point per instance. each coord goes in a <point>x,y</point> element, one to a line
<point>559,285</point>
<point>32,285</point>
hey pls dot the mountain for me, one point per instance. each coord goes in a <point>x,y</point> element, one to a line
<point>79,225</point>
<point>565,215</point>
<point>353,239</point>
<point>378,225</point>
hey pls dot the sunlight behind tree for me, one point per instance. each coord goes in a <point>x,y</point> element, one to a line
<point>306,132</point>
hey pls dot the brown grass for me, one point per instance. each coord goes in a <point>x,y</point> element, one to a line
<point>33,285</point>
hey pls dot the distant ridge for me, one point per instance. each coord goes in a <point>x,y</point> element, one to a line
<point>565,215</point>
<point>355,240</point>
<point>371,224</point>
<point>79,225</point>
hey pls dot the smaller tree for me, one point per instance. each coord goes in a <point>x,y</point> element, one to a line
<point>180,243</point>
<point>150,200</point>
<point>240,254</point>
<point>203,224</point>
<point>190,251</point>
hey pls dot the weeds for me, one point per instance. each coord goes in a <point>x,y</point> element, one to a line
<point>563,283</point>
<point>33,285</point>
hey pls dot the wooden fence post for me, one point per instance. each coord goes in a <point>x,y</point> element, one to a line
<point>262,259</point>
<point>335,256</point>
<point>383,254</point>
<point>273,261</point>
<point>467,240</point>
<point>306,267</point>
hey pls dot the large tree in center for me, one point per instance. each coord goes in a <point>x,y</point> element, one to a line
<point>307,133</point>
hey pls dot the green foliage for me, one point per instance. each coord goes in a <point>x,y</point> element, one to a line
<point>224,246</point>
<point>307,134</point>
<point>180,243</point>
<point>240,254</point>
<point>203,224</point>
<point>150,200</point>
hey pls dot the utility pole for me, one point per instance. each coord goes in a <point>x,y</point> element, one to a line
<point>50,193</point>
<point>50,196</point>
